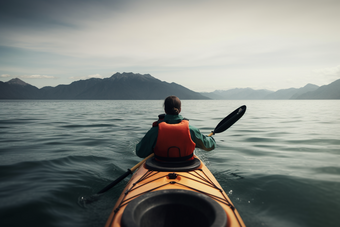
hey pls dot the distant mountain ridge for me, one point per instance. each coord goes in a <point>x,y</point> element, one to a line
<point>310,91</point>
<point>130,86</point>
<point>238,94</point>
<point>18,89</point>
<point>330,91</point>
<point>120,86</point>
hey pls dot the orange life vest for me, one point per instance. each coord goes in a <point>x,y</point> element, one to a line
<point>174,142</point>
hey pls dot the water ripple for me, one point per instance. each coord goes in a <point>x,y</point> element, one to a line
<point>279,163</point>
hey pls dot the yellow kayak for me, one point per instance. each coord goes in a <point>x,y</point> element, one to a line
<point>174,194</point>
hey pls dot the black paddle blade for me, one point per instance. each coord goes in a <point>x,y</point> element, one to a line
<point>230,119</point>
<point>83,201</point>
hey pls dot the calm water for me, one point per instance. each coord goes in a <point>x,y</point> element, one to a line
<point>280,163</point>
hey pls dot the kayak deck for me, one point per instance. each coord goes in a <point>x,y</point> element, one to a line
<point>199,180</point>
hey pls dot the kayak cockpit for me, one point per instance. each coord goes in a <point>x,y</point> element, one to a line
<point>173,207</point>
<point>154,165</point>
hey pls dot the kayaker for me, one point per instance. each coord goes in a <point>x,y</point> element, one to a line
<point>172,138</point>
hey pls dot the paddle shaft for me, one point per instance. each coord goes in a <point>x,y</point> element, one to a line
<point>141,162</point>
<point>127,173</point>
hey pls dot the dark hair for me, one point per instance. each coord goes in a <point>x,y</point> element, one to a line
<point>172,105</point>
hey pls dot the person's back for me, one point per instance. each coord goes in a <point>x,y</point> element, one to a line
<point>172,138</point>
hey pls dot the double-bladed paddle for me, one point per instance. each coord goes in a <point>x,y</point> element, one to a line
<point>221,127</point>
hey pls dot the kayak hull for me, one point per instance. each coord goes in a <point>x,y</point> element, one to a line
<point>175,186</point>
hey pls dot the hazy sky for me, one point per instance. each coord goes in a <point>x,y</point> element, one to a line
<point>202,45</point>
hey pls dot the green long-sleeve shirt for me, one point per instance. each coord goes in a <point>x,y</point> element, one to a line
<point>146,145</point>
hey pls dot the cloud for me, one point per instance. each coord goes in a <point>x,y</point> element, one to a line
<point>325,75</point>
<point>333,72</point>
<point>5,75</point>
<point>180,32</point>
<point>87,77</point>
<point>37,77</point>
<point>95,76</point>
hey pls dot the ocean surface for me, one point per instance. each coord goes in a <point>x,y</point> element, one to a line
<point>279,164</point>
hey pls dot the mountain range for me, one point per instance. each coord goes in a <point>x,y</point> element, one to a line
<point>130,86</point>
<point>120,86</point>
<point>310,91</point>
